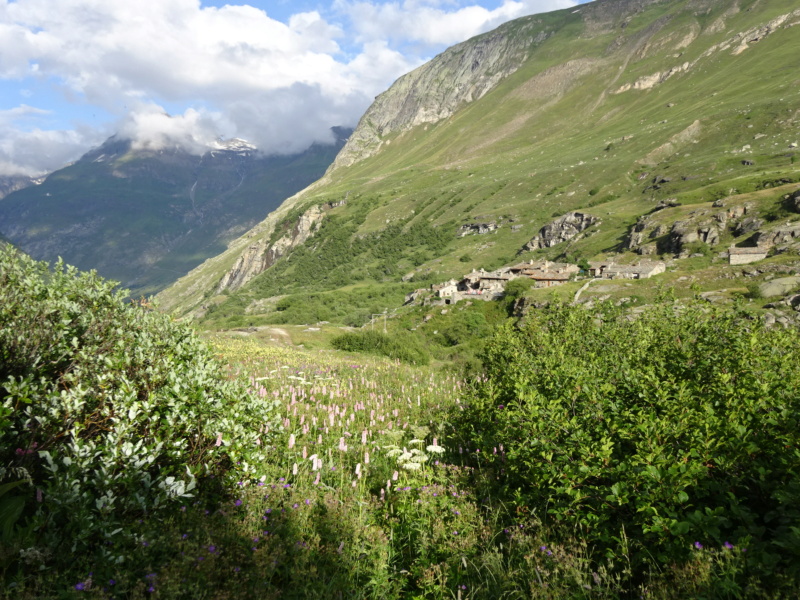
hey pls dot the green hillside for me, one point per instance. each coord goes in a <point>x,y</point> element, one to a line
<point>623,105</point>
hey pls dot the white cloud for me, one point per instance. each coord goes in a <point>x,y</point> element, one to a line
<point>231,71</point>
<point>37,151</point>
<point>424,21</point>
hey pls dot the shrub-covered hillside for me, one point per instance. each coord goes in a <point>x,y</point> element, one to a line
<point>108,411</point>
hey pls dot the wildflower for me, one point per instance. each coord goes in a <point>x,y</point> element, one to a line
<point>238,502</point>
<point>316,481</point>
<point>728,545</point>
<point>212,549</point>
<point>219,440</point>
<point>291,441</point>
<point>80,586</point>
<point>294,469</point>
<point>698,545</point>
<point>395,475</point>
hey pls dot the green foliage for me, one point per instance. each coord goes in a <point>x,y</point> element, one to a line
<point>516,288</point>
<point>648,435</point>
<point>401,346</point>
<point>754,291</point>
<point>114,410</point>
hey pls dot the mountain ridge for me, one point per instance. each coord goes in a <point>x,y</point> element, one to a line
<point>568,129</point>
<point>147,215</point>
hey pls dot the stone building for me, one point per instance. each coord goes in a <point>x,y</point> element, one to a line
<point>743,256</point>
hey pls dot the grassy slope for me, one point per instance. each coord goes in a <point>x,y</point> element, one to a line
<point>555,137</point>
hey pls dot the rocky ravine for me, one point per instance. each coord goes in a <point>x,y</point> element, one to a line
<point>260,256</point>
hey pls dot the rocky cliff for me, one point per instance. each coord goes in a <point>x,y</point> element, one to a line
<point>433,92</point>
<point>260,256</point>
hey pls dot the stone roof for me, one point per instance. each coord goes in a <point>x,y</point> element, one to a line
<point>734,250</point>
<point>545,275</point>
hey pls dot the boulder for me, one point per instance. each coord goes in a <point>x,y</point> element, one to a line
<point>562,229</point>
<point>748,225</point>
<point>793,201</point>
<point>779,287</point>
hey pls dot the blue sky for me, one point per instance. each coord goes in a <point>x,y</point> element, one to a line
<point>278,73</point>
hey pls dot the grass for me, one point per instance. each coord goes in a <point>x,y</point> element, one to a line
<point>366,496</point>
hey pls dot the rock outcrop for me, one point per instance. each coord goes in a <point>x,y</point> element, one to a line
<point>562,229</point>
<point>13,183</point>
<point>793,201</point>
<point>260,256</point>
<point>778,237</point>
<point>434,91</point>
<point>779,287</point>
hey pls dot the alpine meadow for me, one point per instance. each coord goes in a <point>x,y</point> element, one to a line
<point>532,334</point>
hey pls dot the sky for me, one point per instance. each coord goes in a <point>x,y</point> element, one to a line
<point>277,73</point>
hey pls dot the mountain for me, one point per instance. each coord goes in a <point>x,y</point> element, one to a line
<point>145,217</point>
<point>647,116</point>
<point>12,183</point>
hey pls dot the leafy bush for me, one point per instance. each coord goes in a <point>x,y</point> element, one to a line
<point>113,409</point>
<point>404,347</point>
<point>648,435</point>
<point>516,288</point>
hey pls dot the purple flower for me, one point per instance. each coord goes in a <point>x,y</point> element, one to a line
<point>80,586</point>
<point>500,406</point>
<point>238,502</point>
<point>728,545</point>
<point>212,549</point>
<point>698,545</point>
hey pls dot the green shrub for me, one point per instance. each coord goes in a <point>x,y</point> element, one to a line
<point>648,435</point>
<point>401,346</point>
<point>516,288</point>
<point>113,409</point>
